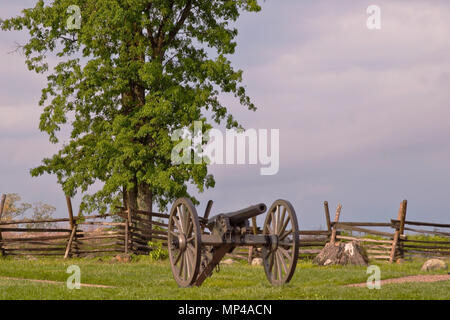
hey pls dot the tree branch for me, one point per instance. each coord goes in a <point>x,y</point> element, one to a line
<point>184,15</point>
<point>149,31</point>
<point>73,40</point>
<point>160,35</point>
<point>18,48</point>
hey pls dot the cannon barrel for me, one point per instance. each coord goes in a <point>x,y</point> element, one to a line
<point>239,216</point>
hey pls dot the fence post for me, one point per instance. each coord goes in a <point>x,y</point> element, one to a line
<point>73,227</point>
<point>150,230</point>
<point>75,240</point>
<point>254,226</point>
<point>402,227</point>
<point>69,243</point>
<point>207,212</point>
<point>336,220</point>
<point>250,255</point>
<point>70,209</point>
<point>327,216</point>
<point>128,236</point>
<point>2,207</point>
<point>399,231</point>
<point>252,249</point>
<point>255,232</point>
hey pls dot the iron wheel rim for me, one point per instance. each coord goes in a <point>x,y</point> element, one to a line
<point>184,242</point>
<point>280,259</point>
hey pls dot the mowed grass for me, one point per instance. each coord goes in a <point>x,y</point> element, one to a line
<point>145,279</point>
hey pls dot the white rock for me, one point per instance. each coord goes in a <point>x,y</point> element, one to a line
<point>257,262</point>
<point>227,261</point>
<point>349,248</point>
<point>434,264</point>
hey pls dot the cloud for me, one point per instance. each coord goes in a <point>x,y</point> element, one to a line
<point>19,119</point>
<point>363,115</point>
<point>351,88</point>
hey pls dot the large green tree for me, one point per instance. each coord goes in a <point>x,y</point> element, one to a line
<point>135,71</point>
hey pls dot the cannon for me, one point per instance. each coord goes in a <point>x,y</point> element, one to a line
<point>196,244</point>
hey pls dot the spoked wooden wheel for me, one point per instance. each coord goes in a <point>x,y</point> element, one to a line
<point>184,242</point>
<point>280,257</point>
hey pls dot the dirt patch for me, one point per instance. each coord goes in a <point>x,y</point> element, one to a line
<point>55,282</point>
<point>418,278</point>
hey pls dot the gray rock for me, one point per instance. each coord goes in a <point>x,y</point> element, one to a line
<point>125,258</point>
<point>227,261</point>
<point>434,264</point>
<point>342,253</point>
<point>257,262</point>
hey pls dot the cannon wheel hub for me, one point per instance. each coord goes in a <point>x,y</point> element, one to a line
<point>182,243</point>
<point>273,242</point>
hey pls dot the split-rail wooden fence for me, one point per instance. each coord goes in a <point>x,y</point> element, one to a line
<point>392,242</point>
<point>136,232</point>
<point>124,231</point>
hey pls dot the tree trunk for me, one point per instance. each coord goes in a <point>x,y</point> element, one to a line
<point>124,197</point>
<point>144,197</point>
<point>131,199</point>
<point>342,253</point>
<point>140,198</point>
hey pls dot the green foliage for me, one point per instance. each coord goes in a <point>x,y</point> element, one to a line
<point>410,236</point>
<point>159,228</point>
<point>144,279</point>
<point>13,208</point>
<point>425,237</point>
<point>134,72</point>
<point>158,252</point>
<point>42,211</point>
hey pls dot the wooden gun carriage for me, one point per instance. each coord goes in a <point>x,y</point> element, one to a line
<point>194,253</point>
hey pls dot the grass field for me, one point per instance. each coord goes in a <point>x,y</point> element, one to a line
<point>145,279</point>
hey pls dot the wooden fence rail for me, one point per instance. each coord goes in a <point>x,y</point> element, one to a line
<point>128,232</point>
<point>135,231</point>
<point>379,245</point>
<point>425,242</point>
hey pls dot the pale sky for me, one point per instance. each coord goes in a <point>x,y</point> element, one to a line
<point>363,114</point>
